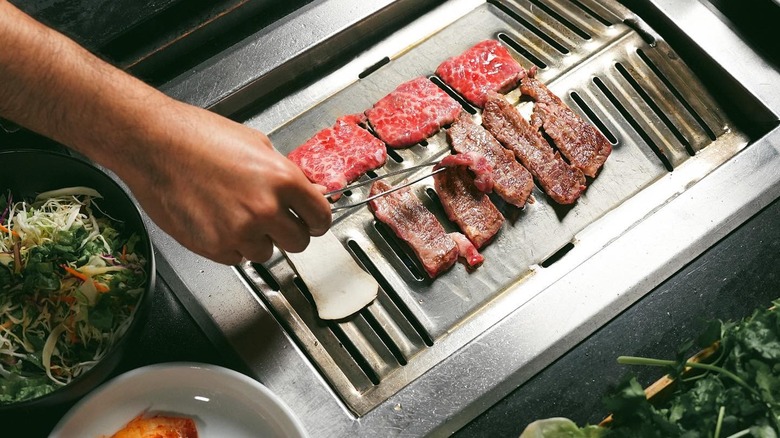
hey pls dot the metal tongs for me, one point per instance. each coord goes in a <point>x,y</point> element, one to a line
<point>386,192</point>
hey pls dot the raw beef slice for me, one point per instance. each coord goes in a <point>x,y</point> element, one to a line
<point>487,66</point>
<point>338,155</point>
<point>412,112</point>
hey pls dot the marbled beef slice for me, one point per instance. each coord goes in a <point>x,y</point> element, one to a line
<point>416,225</point>
<point>579,141</point>
<point>511,181</point>
<point>414,111</point>
<point>562,182</point>
<point>486,66</point>
<point>338,155</point>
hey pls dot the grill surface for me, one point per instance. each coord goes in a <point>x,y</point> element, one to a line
<point>427,356</point>
<point>628,83</point>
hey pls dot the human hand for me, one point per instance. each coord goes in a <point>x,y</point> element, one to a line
<point>220,189</point>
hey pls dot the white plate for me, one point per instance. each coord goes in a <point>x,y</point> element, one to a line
<point>223,402</point>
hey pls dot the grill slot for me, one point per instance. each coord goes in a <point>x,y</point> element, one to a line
<point>394,313</point>
<point>542,36</point>
<point>509,41</point>
<point>636,124</point>
<point>593,118</point>
<point>557,256</point>
<point>713,120</point>
<point>591,8</point>
<point>643,98</point>
<point>454,94</point>
<point>558,15</point>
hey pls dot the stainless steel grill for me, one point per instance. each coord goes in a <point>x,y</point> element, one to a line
<point>627,82</point>
<point>428,355</point>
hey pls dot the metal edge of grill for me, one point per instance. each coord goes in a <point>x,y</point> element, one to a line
<point>622,88</point>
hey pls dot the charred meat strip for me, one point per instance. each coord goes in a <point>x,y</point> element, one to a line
<point>511,181</point>
<point>585,146</point>
<point>412,112</point>
<point>417,226</point>
<point>477,163</point>
<point>467,250</point>
<point>487,66</point>
<point>562,182</point>
<point>467,206</point>
<point>338,155</point>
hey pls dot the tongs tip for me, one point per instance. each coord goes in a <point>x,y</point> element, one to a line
<point>386,192</point>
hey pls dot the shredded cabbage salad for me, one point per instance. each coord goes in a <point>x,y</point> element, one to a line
<point>70,281</point>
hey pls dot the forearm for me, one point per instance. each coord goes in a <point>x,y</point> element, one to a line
<point>51,85</point>
<point>215,185</point>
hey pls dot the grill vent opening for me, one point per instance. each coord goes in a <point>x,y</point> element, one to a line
<point>380,331</point>
<point>557,255</point>
<point>389,236</point>
<point>571,26</point>
<point>634,124</point>
<point>354,353</point>
<point>525,23</point>
<point>593,117</point>
<point>344,340</point>
<point>267,277</point>
<point>376,66</point>
<point>654,106</point>
<point>371,174</point>
<point>394,155</point>
<point>677,94</point>
<point>391,293</point>
<point>517,47</point>
<point>646,36</point>
<point>466,106</point>
<point>592,13</point>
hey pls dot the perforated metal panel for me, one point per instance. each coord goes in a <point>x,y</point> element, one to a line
<point>609,68</point>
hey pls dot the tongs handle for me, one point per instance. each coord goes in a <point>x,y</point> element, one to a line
<point>393,189</point>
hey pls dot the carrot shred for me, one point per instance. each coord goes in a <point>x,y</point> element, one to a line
<point>6,230</point>
<point>101,287</point>
<point>124,254</point>
<point>74,273</point>
<point>67,299</point>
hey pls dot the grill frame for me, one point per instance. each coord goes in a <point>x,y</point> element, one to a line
<point>484,345</point>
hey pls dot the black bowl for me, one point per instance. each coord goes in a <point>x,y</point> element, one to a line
<point>29,172</point>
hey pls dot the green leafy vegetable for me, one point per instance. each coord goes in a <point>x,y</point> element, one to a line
<point>736,394</point>
<point>68,289</point>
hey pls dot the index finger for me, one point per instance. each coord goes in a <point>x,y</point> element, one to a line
<point>313,209</point>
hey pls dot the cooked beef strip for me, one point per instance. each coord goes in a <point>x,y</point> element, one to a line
<point>468,207</point>
<point>486,66</point>
<point>417,226</point>
<point>338,155</point>
<point>585,146</point>
<point>467,250</point>
<point>412,112</point>
<point>562,182</point>
<point>511,181</point>
<point>477,163</point>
